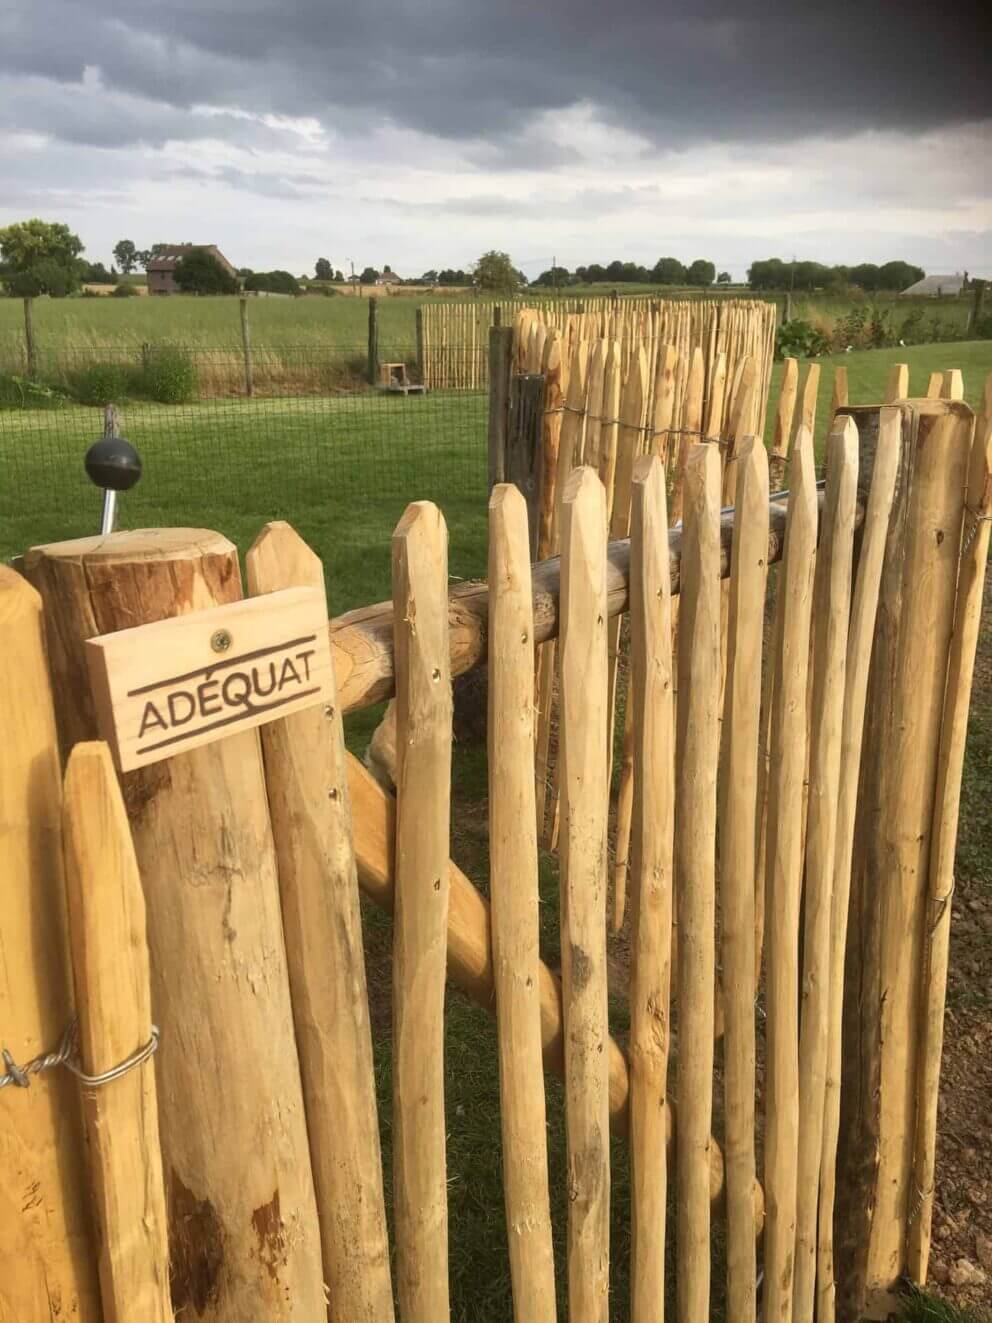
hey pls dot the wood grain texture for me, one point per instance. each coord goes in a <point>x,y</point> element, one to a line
<point>952,385</point>
<point>307,784</point>
<point>896,383</point>
<point>738,806</point>
<point>784,414</point>
<point>48,1236</point>
<point>420,917</point>
<point>651,701</point>
<point>584,789</point>
<point>883,965</point>
<point>831,614</point>
<point>839,391</point>
<point>629,446</point>
<point>244,1238</point>
<point>110,967</point>
<point>514,911</point>
<point>860,632</point>
<point>695,868</point>
<point>906,803</point>
<point>947,805</point>
<point>783,863</point>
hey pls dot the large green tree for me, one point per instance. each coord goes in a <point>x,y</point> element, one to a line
<point>495,273</point>
<point>668,271</point>
<point>323,269</point>
<point>40,257</point>
<point>200,273</point>
<point>127,255</point>
<point>701,272</point>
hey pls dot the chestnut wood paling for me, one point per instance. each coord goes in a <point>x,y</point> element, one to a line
<point>906,804</point>
<point>598,355</point>
<point>831,613</point>
<point>629,446</point>
<point>952,385</point>
<point>651,700</point>
<point>514,913</point>
<point>110,966</point>
<point>960,672</point>
<point>470,966</point>
<point>783,881</point>
<point>49,1249</point>
<point>663,402</point>
<point>859,641</point>
<point>935,385</point>
<point>738,802</point>
<point>695,865</point>
<point>306,780</point>
<point>838,395</point>
<point>584,724</point>
<point>896,383</point>
<point>203,841</point>
<point>420,917</point>
<point>692,422</point>
<point>784,415</point>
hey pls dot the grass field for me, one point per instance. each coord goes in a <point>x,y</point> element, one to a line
<point>342,471</point>
<point>79,325</point>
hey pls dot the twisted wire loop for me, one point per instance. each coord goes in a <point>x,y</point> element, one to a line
<point>67,1055</point>
<point>648,431</point>
<point>978,518</point>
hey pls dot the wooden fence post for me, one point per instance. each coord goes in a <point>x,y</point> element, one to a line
<point>653,725</point>
<point>220,985</point>
<point>523,449</point>
<point>738,801</point>
<point>514,899</point>
<point>49,1246</point>
<point>373,349</point>
<point>419,332</point>
<point>307,784</point>
<point>420,917</point>
<point>698,744</point>
<point>246,346</point>
<point>978,295</point>
<point>888,912</point>
<point>500,368</point>
<point>877,480</point>
<point>783,875</point>
<point>584,791</point>
<point>960,672</point>
<point>29,345</point>
<point>113,996</point>
<point>831,614</point>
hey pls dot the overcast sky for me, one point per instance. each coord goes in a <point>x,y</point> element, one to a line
<point>421,132</point>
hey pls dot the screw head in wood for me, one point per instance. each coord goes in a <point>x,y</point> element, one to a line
<point>221,640</point>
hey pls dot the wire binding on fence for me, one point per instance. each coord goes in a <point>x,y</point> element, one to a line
<point>67,1055</point>
<point>978,518</point>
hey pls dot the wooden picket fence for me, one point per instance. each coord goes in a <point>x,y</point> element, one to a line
<point>453,338</point>
<point>217,892</point>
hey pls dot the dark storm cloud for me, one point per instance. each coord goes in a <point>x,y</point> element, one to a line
<point>471,69</point>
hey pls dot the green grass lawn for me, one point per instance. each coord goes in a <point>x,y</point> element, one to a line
<point>342,470</point>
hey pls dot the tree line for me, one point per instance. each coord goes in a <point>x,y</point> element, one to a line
<point>666,271</point>
<point>41,257</point>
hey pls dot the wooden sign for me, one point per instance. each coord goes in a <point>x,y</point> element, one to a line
<point>164,688</point>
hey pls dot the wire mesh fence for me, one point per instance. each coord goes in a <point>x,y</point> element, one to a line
<point>340,467</point>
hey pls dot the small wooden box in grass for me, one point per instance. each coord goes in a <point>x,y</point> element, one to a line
<point>164,688</point>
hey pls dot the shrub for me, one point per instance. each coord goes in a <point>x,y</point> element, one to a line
<point>100,383</point>
<point>168,375</point>
<point>800,339</point>
<point>125,290</point>
<point>982,330</point>
<point>21,393</point>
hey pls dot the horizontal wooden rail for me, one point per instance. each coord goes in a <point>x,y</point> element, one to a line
<point>362,640</point>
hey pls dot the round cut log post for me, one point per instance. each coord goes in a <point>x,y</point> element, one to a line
<point>244,1240</point>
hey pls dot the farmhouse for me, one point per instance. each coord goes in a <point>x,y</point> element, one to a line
<point>161,270</point>
<point>388,277</point>
<point>934,286</point>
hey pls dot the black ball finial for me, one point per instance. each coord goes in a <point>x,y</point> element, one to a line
<point>113,464</point>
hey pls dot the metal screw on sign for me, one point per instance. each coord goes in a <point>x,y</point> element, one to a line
<point>115,466</point>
